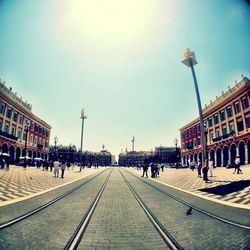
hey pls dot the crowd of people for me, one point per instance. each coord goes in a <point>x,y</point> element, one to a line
<point>202,169</point>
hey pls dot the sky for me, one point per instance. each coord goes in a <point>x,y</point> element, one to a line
<point>120,60</point>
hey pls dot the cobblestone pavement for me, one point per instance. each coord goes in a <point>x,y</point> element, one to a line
<point>18,184</point>
<point>52,227</point>
<point>187,180</point>
<point>196,231</point>
<point>119,222</point>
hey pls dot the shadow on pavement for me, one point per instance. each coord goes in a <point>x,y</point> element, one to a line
<point>227,189</point>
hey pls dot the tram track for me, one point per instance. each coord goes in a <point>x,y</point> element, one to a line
<point>170,241</point>
<point>77,236</point>
<point>189,205</point>
<point>42,207</point>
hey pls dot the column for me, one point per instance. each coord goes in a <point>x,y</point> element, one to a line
<point>246,154</point>
<point>222,158</point>
<point>229,156</point>
<point>215,159</point>
<point>182,161</point>
<point>237,151</point>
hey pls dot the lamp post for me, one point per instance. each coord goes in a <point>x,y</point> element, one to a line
<point>83,116</point>
<point>190,61</point>
<point>133,144</point>
<point>26,129</point>
<point>205,138</point>
<point>175,143</point>
<point>55,140</point>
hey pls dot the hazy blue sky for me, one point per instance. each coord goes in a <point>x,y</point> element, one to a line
<point>121,61</point>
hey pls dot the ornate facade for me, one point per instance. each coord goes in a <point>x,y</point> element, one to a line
<point>14,114</point>
<point>227,123</point>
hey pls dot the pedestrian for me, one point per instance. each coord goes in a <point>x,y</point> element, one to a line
<point>192,166</point>
<point>162,168</point>
<point>211,166</point>
<point>62,169</point>
<point>152,166</point>
<point>145,170</point>
<point>51,165</point>
<point>199,167</point>
<point>237,164</point>
<point>68,165</point>
<point>205,170</point>
<point>56,168</point>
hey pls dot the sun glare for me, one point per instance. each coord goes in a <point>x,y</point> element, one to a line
<point>110,20</point>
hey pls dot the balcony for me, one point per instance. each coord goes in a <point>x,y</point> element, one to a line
<point>224,137</point>
<point>6,135</point>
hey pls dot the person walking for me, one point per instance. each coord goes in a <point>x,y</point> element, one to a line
<point>56,168</point>
<point>145,170</point>
<point>199,167</point>
<point>63,166</point>
<point>51,165</point>
<point>162,168</point>
<point>205,170</point>
<point>211,166</point>
<point>237,165</point>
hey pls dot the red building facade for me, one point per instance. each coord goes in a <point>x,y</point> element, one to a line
<point>227,122</point>
<point>14,114</point>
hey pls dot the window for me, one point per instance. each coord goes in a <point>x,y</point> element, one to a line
<point>240,126</point>
<point>224,131</point>
<point>182,135</point>
<point>9,113</point>
<point>35,140</point>
<point>31,138</point>
<point>1,125</point>
<point>21,120</point>
<point>24,136</point>
<point>210,122</point>
<point>198,128</point>
<point>218,133</point>
<point>13,131</point>
<point>222,115</point>
<point>194,130</point>
<point>15,117</point>
<point>216,119</point>
<point>245,102</point>
<point>211,135</point>
<point>190,132</point>
<point>6,128</point>
<point>2,108</point>
<point>19,133</point>
<point>32,126</point>
<point>247,122</point>
<point>237,107</point>
<point>195,142</point>
<point>46,144</point>
<point>187,134</point>
<point>198,141</point>
<point>231,128</point>
<point>229,111</point>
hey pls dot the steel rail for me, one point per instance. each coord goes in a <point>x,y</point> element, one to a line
<point>76,238</point>
<point>34,211</point>
<point>193,207</point>
<point>166,236</point>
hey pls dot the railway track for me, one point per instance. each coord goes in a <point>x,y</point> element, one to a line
<point>40,208</point>
<point>189,205</point>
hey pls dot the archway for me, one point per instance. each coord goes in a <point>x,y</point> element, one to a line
<point>12,154</point>
<point>242,153</point>
<point>248,150</point>
<point>188,163</point>
<point>45,157</point>
<point>225,156</point>
<point>42,156</point>
<point>5,148</point>
<point>218,157</point>
<point>18,153</point>
<point>211,155</point>
<point>38,155</point>
<point>233,153</point>
<point>30,153</point>
<point>23,152</point>
<point>191,158</point>
<point>200,157</point>
<point>34,155</point>
<point>184,160</point>
<point>195,158</point>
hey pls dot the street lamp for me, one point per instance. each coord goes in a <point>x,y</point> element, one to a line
<point>133,144</point>
<point>190,61</point>
<point>83,116</point>
<point>175,143</point>
<point>55,140</point>
<point>26,129</point>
